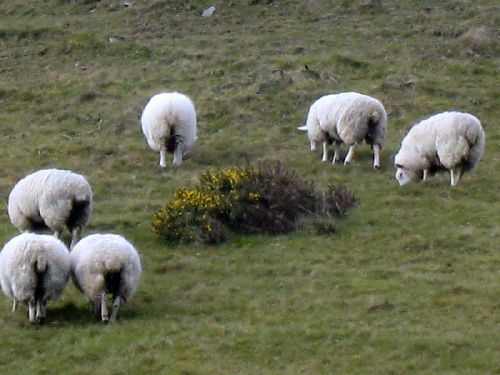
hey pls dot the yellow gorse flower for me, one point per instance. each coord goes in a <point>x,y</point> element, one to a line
<point>254,196</point>
<point>189,198</point>
<point>197,205</point>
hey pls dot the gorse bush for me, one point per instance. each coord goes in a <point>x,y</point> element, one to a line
<point>337,200</point>
<point>270,200</point>
<point>266,198</point>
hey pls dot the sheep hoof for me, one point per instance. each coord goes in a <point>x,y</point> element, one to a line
<point>376,167</point>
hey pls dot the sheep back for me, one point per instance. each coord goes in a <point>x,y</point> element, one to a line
<point>348,118</point>
<point>50,198</point>
<point>448,139</point>
<point>361,117</point>
<point>97,256</point>
<point>27,256</point>
<point>167,115</point>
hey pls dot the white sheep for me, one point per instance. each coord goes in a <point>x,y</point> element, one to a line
<point>105,264</point>
<point>51,198</point>
<point>346,118</point>
<point>34,268</point>
<point>169,124</point>
<point>451,141</point>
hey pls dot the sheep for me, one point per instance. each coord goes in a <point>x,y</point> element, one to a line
<point>346,118</point>
<point>451,141</point>
<point>34,268</point>
<point>105,264</point>
<point>53,199</point>
<point>169,124</point>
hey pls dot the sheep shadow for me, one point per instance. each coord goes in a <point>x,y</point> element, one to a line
<point>71,314</point>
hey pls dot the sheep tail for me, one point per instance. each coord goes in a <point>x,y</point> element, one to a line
<point>40,264</point>
<point>171,141</point>
<point>113,276</point>
<point>112,265</point>
<point>373,123</point>
<point>374,119</point>
<point>82,198</point>
<point>80,211</point>
<point>474,138</point>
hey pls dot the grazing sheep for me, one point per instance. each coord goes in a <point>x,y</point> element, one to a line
<point>169,124</point>
<point>346,118</point>
<point>51,198</point>
<point>451,141</point>
<point>34,268</point>
<point>105,264</point>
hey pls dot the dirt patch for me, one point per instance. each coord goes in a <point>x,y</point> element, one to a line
<point>480,41</point>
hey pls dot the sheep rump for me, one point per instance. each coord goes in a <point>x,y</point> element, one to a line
<point>34,268</point>
<point>346,118</point>
<point>53,199</point>
<point>451,141</point>
<point>105,264</point>
<point>168,122</point>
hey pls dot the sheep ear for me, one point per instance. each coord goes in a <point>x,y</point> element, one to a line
<point>302,128</point>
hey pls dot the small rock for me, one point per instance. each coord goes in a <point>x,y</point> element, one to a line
<point>371,3</point>
<point>208,12</point>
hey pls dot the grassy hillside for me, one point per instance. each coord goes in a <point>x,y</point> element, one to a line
<point>408,284</point>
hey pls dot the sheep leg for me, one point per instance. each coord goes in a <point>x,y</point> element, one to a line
<point>14,306</point>
<point>336,153</point>
<point>40,311</point>
<point>455,176</point>
<point>75,237</point>
<point>325,151</point>
<point>313,145</point>
<point>92,307</point>
<point>349,155</point>
<point>177,155</point>
<point>31,310</point>
<point>57,233</point>
<point>116,306</point>
<point>163,156</point>
<point>104,308</point>
<point>376,156</point>
<point>424,177</point>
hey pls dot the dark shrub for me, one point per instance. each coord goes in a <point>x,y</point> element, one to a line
<point>266,198</point>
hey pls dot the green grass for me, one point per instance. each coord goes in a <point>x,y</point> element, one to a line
<point>408,284</point>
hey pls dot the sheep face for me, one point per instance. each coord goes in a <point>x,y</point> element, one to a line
<point>404,175</point>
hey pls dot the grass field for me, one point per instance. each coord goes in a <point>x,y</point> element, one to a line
<point>409,283</point>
